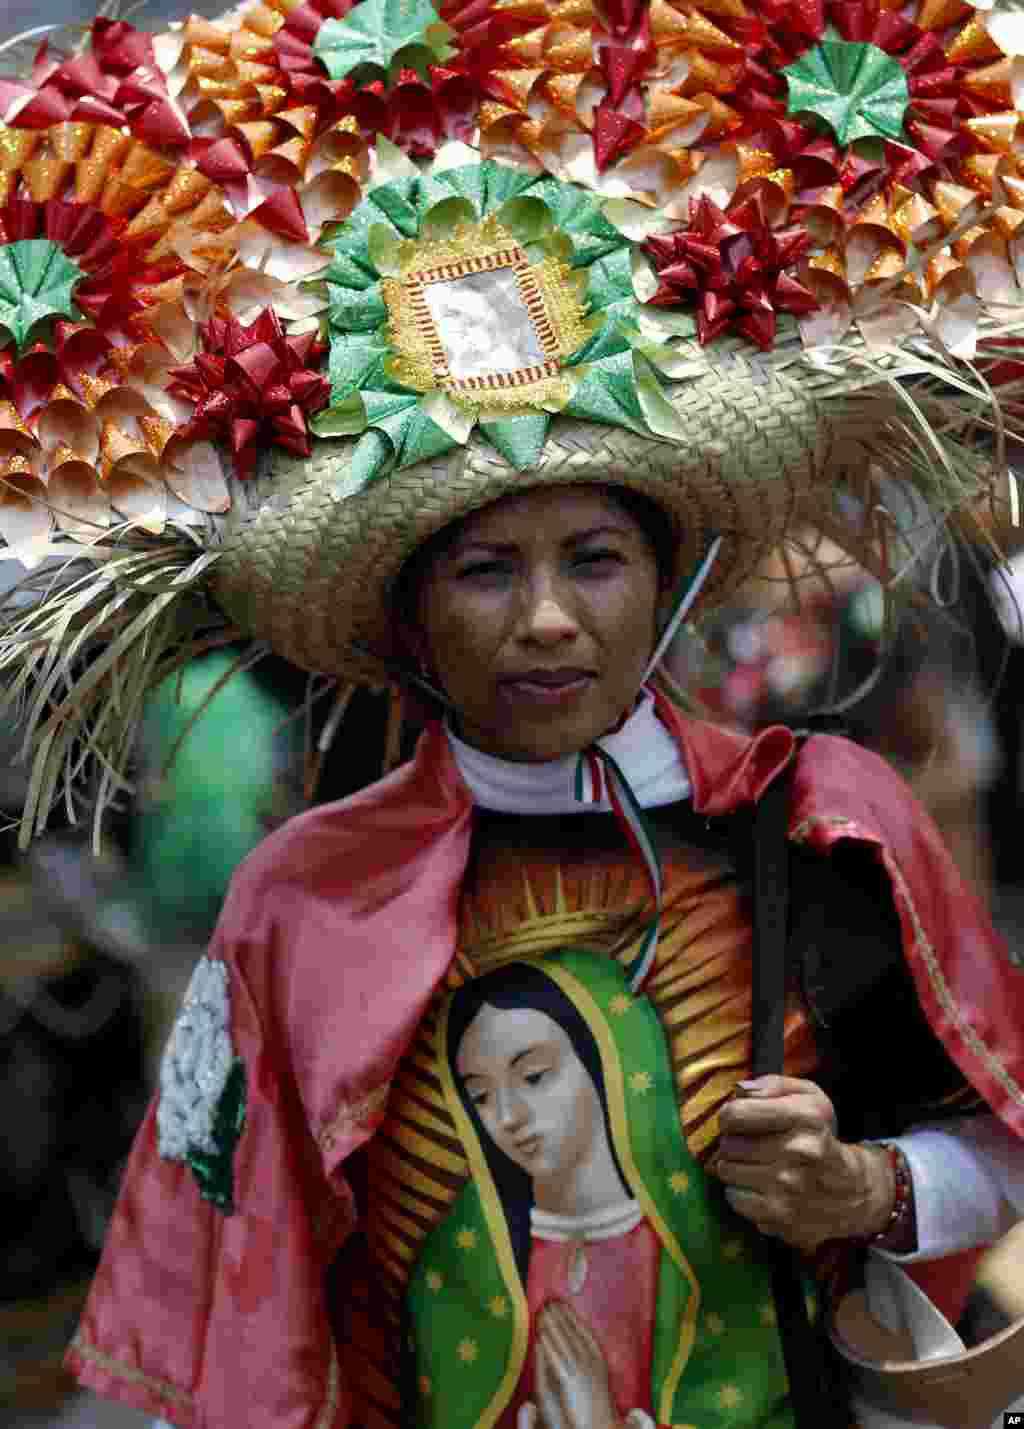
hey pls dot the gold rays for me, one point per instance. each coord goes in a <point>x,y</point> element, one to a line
<point>602,913</point>
<point>416,1165</point>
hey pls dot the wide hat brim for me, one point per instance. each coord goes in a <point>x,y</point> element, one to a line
<point>312,571</point>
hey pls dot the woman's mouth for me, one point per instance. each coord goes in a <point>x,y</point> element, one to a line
<point>527,1149</point>
<point>547,687</point>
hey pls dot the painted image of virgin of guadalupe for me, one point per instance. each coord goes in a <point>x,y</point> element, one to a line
<point>588,1275</point>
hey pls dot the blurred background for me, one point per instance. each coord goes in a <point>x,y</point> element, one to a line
<point>97,947</point>
<point>94,957</point>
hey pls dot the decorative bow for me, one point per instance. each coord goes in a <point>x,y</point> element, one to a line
<point>251,378</point>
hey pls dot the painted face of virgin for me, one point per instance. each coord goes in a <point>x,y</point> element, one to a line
<point>533,1094</point>
<point>539,620</point>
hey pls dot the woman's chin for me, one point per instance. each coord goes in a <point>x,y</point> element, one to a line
<point>537,737</point>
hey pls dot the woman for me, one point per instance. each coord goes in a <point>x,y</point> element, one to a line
<point>522,514</point>
<point>535,615</point>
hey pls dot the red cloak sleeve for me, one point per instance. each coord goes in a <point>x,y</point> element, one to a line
<point>334,936</point>
<point>191,1304</point>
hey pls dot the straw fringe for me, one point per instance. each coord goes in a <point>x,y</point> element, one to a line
<point>78,664</point>
<point>315,756</point>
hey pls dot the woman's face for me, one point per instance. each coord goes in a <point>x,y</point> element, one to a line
<point>533,1094</point>
<point>539,619</point>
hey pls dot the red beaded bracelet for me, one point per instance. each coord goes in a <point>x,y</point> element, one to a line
<point>903,1198</point>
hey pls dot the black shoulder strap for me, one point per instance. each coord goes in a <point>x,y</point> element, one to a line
<point>810,1390</point>
<point>771,925</point>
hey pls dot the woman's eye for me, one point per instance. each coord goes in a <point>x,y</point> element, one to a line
<point>484,570</point>
<point>597,559</point>
<point>478,1098</point>
<point>532,1078</point>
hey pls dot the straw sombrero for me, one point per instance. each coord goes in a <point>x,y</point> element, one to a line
<point>286,293</point>
<point>312,572</point>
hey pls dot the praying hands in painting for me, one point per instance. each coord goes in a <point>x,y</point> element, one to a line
<point>570,1376</point>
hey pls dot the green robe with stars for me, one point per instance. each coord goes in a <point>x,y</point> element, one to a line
<point>716,1361</point>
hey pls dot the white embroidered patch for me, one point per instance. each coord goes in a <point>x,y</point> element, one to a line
<point>195,1065</point>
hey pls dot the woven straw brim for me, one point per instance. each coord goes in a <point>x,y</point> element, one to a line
<point>313,573</point>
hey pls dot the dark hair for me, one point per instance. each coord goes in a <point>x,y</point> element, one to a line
<point>652,519</point>
<point>509,988</point>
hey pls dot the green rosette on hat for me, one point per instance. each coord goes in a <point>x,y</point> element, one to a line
<point>284,294</point>
<point>474,293</point>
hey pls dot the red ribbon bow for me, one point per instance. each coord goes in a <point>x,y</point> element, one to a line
<point>734,264</point>
<point>251,377</point>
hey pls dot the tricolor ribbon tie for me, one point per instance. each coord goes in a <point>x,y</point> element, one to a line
<point>599,777</point>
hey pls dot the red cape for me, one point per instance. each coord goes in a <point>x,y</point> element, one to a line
<point>337,931</point>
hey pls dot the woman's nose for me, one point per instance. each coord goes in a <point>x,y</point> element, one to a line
<point>548,618</point>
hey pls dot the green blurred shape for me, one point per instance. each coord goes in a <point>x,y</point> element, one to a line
<point>219,769</point>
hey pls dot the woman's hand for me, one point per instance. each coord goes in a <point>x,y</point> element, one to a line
<point>570,1376</point>
<point>785,1169</point>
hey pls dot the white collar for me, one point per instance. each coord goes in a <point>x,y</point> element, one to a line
<point>643,749</point>
<point>599,1225</point>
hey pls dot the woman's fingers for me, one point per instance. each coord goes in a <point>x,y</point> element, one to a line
<point>528,1418</point>
<point>769,1178</point>
<point>799,1145</point>
<point>785,1169</point>
<point>775,1085</point>
<point>777,1105</point>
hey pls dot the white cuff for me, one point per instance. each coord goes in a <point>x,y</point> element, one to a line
<point>968,1184</point>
